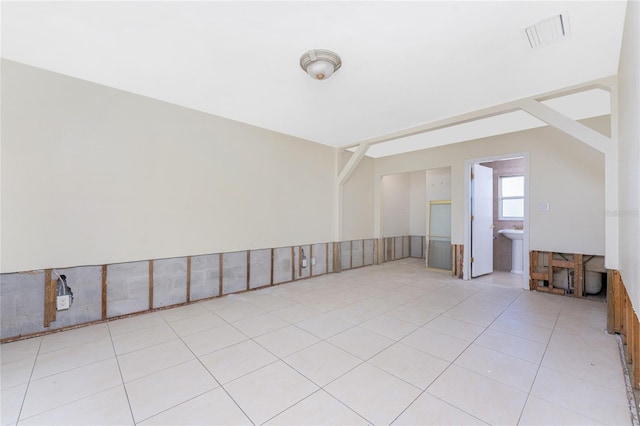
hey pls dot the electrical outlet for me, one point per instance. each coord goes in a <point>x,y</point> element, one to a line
<point>304,263</point>
<point>313,261</point>
<point>63,302</point>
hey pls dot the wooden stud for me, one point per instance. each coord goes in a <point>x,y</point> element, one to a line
<point>610,303</point>
<point>578,275</point>
<point>272,257</point>
<point>635,374</point>
<point>248,269</point>
<point>104,292</point>
<point>188,279</point>
<point>293,265</point>
<point>151,284</point>
<point>337,265</point>
<point>326,257</point>
<point>310,260</point>
<point>550,273</point>
<point>220,273</point>
<point>363,259</point>
<point>628,328</point>
<point>422,240</point>
<point>351,254</point>
<point>618,289</point>
<point>47,298</point>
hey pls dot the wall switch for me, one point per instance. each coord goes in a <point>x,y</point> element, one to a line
<point>313,261</point>
<point>544,207</point>
<point>63,302</point>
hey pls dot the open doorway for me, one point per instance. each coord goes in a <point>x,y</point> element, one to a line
<point>496,217</point>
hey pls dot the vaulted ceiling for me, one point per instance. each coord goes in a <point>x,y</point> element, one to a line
<point>404,63</point>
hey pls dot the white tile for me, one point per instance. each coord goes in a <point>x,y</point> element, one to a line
<point>322,362</point>
<point>429,410</point>
<point>474,316</point>
<point>597,402</point>
<point>235,361</point>
<point>360,342</point>
<point>518,347</point>
<point>16,372</point>
<point>324,326</point>
<point>456,328</point>
<point>376,395</point>
<point>506,369</point>
<point>11,402</point>
<point>540,412</point>
<point>62,388</point>
<point>522,329</point>
<point>437,344</point>
<point>143,338</point>
<point>214,407</point>
<point>389,327</point>
<point>183,312</point>
<point>165,389</point>
<point>20,350</point>
<point>71,357</point>
<point>135,323</point>
<point>195,324</point>
<point>109,407</point>
<point>269,391</point>
<point>260,324</point>
<point>296,313</point>
<point>319,408</point>
<point>409,364</point>
<point>238,311</point>
<point>286,341</point>
<point>413,315</point>
<point>84,335</point>
<point>211,340</point>
<point>479,396</point>
<point>134,365</point>
<point>354,314</point>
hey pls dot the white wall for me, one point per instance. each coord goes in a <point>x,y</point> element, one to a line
<point>357,205</point>
<point>563,172</point>
<point>396,195</point>
<point>629,154</point>
<point>94,175</point>
<point>418,203</point>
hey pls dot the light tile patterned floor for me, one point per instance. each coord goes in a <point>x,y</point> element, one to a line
<point>390,344</point>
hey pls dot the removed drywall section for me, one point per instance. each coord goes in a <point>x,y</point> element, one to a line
<point>234,272</point>
<point>260,268</point>
<point>417,243</point>
<point>22,302</point>
<point>282,265</point>
<point>357,253</point>
<point>128,288</point>
<point>169,281</point>
<point>130,178</point>
<point>369,252</point>
<point>205,281</point>
<point>320,254</point>
<point>345,255</point>
<point>86,284</point>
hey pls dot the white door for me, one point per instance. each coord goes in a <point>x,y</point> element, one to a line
<point>481,220</point>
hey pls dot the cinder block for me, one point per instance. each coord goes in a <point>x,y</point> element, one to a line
<point>22,303</point>
<point>357,252</point>
<point>169,281</point>
<point>416,246</point>
<point>345,255</point>
<point>260,272</point>
<point>282,265</point>
<point>369,252</point>
<point>127,288</point>
<point>320,253</point>
<point>234,272</point>
<point>86,284</point>
<point>205,276</point>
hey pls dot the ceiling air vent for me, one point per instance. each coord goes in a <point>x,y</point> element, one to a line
<point>547,31</point>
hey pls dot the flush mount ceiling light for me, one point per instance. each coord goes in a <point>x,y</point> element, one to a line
<point>320,64</point>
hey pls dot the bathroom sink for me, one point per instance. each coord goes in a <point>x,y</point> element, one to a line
<point>512,234</point>
<point>517,248</point>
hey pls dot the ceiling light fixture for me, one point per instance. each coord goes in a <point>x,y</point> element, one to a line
<point>320,64</point>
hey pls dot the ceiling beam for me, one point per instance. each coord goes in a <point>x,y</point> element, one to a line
<point>353,162</point>
<point>565,124</point>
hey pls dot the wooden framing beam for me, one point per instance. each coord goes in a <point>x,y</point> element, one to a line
<point>565,124</point>
<point>352,164</point>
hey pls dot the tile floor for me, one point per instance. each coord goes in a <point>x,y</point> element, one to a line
<point>390,344</point>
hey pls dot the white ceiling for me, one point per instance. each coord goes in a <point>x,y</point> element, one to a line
<point>404,63</point>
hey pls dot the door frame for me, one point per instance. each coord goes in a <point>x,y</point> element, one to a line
<point>466,270</point>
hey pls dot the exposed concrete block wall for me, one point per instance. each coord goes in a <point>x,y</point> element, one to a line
<point>418,246</point>
<point>234,272</point>
<point>128,288</point>
<point>169,281</point>
<point>205,276</point>
<point>87,295</point>
<point>174,281</point>
<point>22,302</point>
<point>260,268</point>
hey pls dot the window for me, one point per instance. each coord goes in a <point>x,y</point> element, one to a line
<point>511,197</point>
